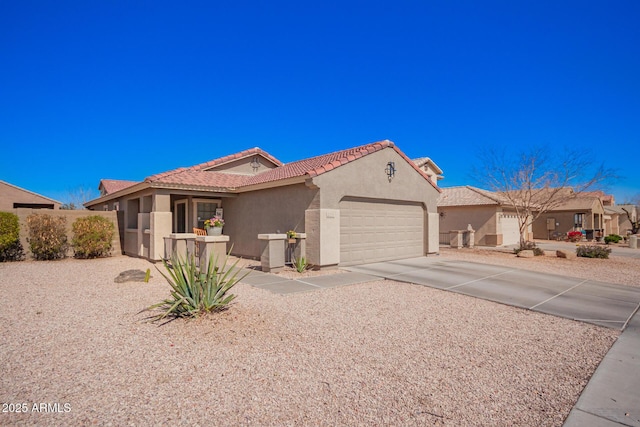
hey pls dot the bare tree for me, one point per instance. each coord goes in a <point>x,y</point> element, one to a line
<point>539,180</point>
<point>76,198</point>
<point>635,221</point>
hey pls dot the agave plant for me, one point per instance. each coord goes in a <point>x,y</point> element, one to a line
<point>194,292</point>
<point>300,264</point>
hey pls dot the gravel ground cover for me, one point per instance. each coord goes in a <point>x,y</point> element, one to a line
<point>378,353</point>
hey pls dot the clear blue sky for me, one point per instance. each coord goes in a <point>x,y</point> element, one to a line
<point>126,89</point>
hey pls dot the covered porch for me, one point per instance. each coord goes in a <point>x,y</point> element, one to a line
<point>151,218</point>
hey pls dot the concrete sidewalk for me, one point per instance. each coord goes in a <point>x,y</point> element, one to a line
<point>612,396</point>
<point>283,285</point>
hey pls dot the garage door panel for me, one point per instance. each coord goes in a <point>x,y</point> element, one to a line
<point>381,230</point>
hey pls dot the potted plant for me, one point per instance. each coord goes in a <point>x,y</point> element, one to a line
<point>214,226</point>
<point>291,235</point>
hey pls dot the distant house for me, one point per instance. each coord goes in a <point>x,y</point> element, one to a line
<point>617,221</point>
<point>582,212</point>
<point>363,204</point>
<point>428,166</point>
<point>13,197</point>
<point>491,216</point>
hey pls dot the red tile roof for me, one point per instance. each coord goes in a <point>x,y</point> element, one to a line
<point>318,165</point>
<point>241,155</point>
<point>468,196</point>
<point>113,185</point>
<point>200,176</point>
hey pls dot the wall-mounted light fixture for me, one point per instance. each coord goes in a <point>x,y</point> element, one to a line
<point>255,164</point>
<point>390,170</point>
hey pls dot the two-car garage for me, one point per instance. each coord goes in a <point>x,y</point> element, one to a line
<point>374,230</point>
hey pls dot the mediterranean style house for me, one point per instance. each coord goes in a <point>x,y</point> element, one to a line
<point>583,212</point>
<point>364,204</point>
<point>491,216</point>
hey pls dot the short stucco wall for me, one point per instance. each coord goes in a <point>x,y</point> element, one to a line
<point>71,216</point>
<point>483,220</point>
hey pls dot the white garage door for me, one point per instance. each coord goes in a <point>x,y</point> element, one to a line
<point>372,231</point>
<point>510,231</point>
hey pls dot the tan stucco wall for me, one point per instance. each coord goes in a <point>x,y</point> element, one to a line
<point>564,221</point>
<point>274,210</point>
<point>10,195</point>
<point>71,216</point>
<point>366,178</point>
<point>483,219</point>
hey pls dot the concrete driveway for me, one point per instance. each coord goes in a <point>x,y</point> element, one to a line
<point>603,304</point>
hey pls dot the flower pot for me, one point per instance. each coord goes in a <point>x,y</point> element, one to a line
<point>292,240</point>
<point>214,231</point>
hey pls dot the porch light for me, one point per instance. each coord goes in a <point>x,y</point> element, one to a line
<point>390,170</point>
<point>255,164</point>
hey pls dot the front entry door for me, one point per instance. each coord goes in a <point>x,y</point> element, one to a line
<point>180,217</point>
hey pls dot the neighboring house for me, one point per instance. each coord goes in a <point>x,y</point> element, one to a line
<point>364,204</point>
<point>584,211</point>
<point>491,216</point>
<point>13,197</point>
<point>428,166</point>
<point>616,220</point>
<point>108,186</point>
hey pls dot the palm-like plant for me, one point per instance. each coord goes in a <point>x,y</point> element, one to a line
<point>194,292</point>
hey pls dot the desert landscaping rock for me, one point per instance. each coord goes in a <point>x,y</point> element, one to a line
<point>526,254</point>
<point>566,254</point>
<point>378,353</point>
<point>131,276</point>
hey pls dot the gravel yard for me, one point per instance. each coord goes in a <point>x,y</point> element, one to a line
<point>379,353</point>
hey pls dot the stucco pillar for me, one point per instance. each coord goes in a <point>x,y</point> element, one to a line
<point>433,230</point>
<point>212,246</point>
<point>272,252</point>
<point>160,225</point>
<point>456,237</point>
<point>322,227</point>
<point>471,236</point>
<point>182,245</point>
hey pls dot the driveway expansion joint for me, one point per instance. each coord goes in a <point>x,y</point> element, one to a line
<point>555,296</point>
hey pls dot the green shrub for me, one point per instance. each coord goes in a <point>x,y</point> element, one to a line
<point>593,251</point>
<point>47,236</point>
<point>10,246</point>
<point>92,236</point>
<point>612,238</point>
<point>193,292</point>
